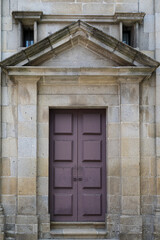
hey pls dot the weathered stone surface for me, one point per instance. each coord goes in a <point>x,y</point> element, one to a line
<point>132,109</point>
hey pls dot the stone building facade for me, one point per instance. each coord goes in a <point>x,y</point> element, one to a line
<point>64,64</point>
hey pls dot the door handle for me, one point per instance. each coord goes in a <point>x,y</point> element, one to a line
<point>80,179</point>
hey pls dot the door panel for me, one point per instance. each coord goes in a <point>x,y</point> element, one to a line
<point>91,165</point>
<point>77,165</point>
<point>63,165</point>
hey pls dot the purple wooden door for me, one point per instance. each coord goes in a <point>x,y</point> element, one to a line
<point>77,165</point>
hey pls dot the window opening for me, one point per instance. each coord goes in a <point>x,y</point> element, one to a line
<point>28,36</point>
<point>128,35</point>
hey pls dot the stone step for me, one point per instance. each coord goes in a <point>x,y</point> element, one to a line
<point>79,239</point>
<point>79,225</point>
<point>78,233</point>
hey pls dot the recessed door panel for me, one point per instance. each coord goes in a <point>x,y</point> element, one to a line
<point>63,177</point>
<point>77,165</point>
<point>63,204</point>
<point>91,123</point>
<point>63,123</point>
<point>92,177</point>
<point>91,150</point>
<point>92,205</point>
<point>63,150</point>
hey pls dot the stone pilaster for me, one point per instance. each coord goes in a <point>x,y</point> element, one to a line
<point>27,222</point>
<point>1,209</point>
<point>157,56</point>
<point>131,220</point>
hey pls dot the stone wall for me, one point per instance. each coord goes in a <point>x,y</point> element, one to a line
<point>128,168</point>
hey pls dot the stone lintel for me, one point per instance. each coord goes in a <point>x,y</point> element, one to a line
<point>24,16</point>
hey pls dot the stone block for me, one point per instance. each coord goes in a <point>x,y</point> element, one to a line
<point>130,186</point>
<point>146,6</point>
<point>27,130</point>
<point>26,236</point>
<point>43,114</point>
<point>43,204</point>
<point>129,110</point>
<point>157,7</point>
<point>26,113</point>
<point>27,186</point>
<point>113,130</point>
<point>26,219</point>
<point>9,147</point>
<point>130,167</point>
<point>100,9</point>
<point>130,205</point>
<point>5,98</point>
<point>7,23</point>
<point>43,167</point>
<point>151,41</point>
<point>131,220</point>
<point>127,7</point>
<point>130,236</point>
<point>13,45</point>
<point>149,24</point>
<point>8,185</point>
<point>13,166</point>
<point>114,204</point>
<point>129,93</point>
<point>27,147</point>
<point>27,167</point>
<point>114,186</point>
<point>6,171</point>
<point>148,147</point>
<point>113,148</point>
<point>9,114</point>
<point>4,130</point>
<point>27,205</point>
<point>43,130</point>
<point>42,186</point>
<point>77,101</point>
<point>24,228</point>
<point>12,130</point>
<point>45,227</point>
<point>27,93</point>
<point>147,114</point>
<point>130,130</point>
<point>113,114</point>
<point>113,167</point>
<point>43,148</point>
<point>127,149</point>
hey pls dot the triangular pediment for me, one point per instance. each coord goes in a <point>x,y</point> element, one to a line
<point>78,56</point>
<point>81,40</point>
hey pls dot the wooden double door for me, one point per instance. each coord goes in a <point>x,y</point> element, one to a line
<point>77,165</point>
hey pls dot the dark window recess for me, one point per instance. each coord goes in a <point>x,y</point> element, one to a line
<point>128,36</point>
<point>28,37</point>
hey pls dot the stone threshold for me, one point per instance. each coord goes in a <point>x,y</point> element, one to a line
<point>78,230</point>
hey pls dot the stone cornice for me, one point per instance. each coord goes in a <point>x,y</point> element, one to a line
<point>117,17</point>
<point>122,74</point>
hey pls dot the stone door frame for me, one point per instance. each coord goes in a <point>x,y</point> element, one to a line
<point>120,106</point>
